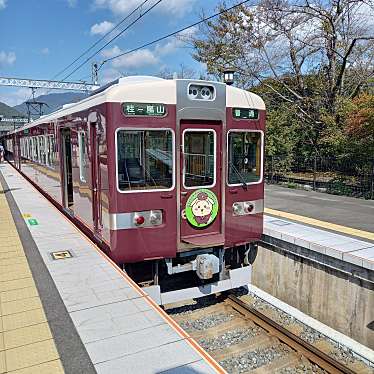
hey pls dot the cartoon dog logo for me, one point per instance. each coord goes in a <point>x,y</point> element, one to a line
<point>202,208</point>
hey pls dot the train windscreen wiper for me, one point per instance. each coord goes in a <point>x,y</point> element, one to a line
<point>240,175</point>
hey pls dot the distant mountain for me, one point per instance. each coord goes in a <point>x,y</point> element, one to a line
<point>7,111</point>
<point>54,101</point>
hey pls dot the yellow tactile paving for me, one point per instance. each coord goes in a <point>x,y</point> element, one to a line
<point>13,260</point>
<point>15,268</point>
<point>52,367</point>
<point>26,343</point>
<point>26,335</point>
<point>323,224</point>
<point>19,320</point>
<point>30,355</point>
<point>16,284</point>
<point>2,363</point>
<point>18,306</point>
<point>18,294</point>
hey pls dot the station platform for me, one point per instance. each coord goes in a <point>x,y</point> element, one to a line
<point>65,307</point>
<point>345,244</point>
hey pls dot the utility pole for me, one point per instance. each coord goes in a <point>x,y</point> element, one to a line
<point>95,76</point>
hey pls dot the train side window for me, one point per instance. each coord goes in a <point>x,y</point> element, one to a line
<point>35,149</point>
<point>51,149</point>
<point>244,157</point>
<point>82,147</point>
<point>199,160</point>
<point>145,160</point>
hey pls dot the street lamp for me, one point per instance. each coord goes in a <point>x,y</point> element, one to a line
<point>228,76</point>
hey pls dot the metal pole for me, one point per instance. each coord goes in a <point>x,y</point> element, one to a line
<point>314,172</point>
<point>372,181</point>
<point>272,168</point>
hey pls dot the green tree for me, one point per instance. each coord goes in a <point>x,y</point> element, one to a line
<point>307,56</point>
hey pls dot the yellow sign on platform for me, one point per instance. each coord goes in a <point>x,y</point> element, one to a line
<point>61,255</point>
<point>26,215</point>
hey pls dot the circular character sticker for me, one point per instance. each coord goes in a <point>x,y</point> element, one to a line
<point>201,208</point>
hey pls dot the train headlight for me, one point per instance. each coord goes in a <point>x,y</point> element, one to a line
<point>155,217</point>
<point>237,208</point>
<point>206,93</point>
<point>193,92</point>
<point>200,92</point>
<point>243,208</point>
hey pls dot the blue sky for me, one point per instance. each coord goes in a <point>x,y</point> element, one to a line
<point>40,38</point>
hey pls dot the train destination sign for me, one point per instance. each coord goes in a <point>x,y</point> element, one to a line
<point>245,113</point>
<point>144,109</point>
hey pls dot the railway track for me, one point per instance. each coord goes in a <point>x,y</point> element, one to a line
<point>244,340</point>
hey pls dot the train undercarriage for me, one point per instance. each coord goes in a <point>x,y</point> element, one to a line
<point>194,273</point>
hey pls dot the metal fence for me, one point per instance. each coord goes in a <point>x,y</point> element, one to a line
<point>199,165</point>
<point>349,177</point>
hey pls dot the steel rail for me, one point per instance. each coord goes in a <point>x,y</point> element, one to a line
<point>312,353</point>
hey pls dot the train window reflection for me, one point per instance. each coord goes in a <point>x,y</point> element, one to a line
<point>82,146</point>
<point>244,158</point>
<point>145,159</point>
<point>199,148</point>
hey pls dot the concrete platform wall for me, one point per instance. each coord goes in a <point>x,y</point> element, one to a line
<point>337,299</point>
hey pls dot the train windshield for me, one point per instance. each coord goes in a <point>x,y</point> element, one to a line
<point>198,152</point>
<point>145,159</point>
<point>244,158</point>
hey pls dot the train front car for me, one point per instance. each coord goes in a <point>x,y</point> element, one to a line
<point>187,205</point>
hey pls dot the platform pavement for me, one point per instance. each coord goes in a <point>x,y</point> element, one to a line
<point>341,210</point>
<point>322,237</point>
<point>26,342</point>
<point>104,323</point>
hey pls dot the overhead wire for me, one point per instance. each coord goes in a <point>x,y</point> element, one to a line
<point>101,39</point>
<point>173,33</point>
<point>112,39</point>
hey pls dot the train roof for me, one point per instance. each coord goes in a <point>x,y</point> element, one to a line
<point>145,89</point>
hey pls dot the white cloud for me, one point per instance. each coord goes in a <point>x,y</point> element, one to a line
<point>138,59</point>
<point>14,96</point>
<point>2,4</point>
<point>45,51</point>
<point>101,28</point>
<point>109,75</point>
<point>71,3</point>
<point>114,51</point>
<point>175,42</point>
<point>122,7</point>
<point>7,58</point>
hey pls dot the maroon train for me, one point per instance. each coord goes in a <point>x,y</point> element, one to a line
<point>167,175</point>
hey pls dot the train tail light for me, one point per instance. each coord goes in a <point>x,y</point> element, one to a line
<point>243,208</point>
<point>248,207</point>
<point>147,218</point>
<point>139,220</point>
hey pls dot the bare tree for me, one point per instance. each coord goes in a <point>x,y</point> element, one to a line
<point>309,54</point>
<point>183,72</point>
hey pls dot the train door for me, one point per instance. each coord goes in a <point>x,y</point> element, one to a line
<point>201,165</point>
<point>95,180</point>
<point>67,172</point>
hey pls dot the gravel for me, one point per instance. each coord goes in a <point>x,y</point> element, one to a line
<point>254,359</point>
<point>281,317</point>
<point>207,322</point>
<point>343,354</point>
<point>310,335</point>
<point>198,304</point>
<point>229,338</point>
<point>303,368</point>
